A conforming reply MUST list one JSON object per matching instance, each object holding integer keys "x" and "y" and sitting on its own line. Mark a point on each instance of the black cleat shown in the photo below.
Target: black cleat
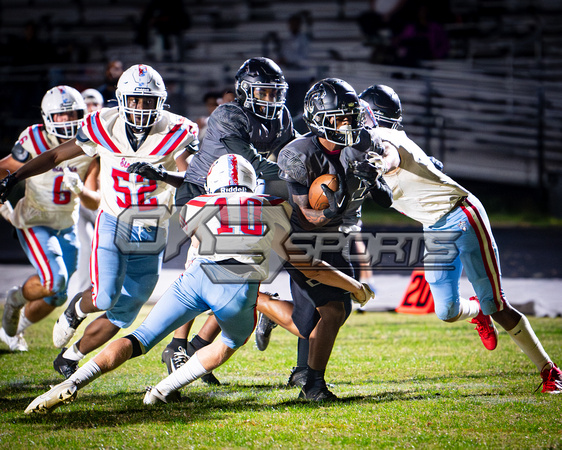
{"x": 263, "y": 331}
{"x": 298, "y": 377}
{"x": 175, "y": 358}
{"x": 66, "y": 367}
{"x": 321, "y": 394}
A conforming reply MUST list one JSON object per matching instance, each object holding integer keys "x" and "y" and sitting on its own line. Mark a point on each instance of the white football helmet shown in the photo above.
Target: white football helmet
{"x": 141, "y": 81}
{"x": 231, "y": 173}
{"x": 93, "y": 99}
{"x": 62, "y": 100}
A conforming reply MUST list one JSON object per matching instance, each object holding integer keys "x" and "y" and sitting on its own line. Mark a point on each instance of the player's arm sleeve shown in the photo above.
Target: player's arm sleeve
{"x": 292, "y": 167}
{"x": 19, "y": 153}
{"x": 381, "y": 193}
{"x": 231, "y": 124}
{"x": 265, "y": 169}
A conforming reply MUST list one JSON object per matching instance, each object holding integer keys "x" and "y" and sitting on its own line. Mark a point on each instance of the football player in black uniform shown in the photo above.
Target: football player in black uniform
{"x": 256, "y": 125}
{"x": 335, "y": 144}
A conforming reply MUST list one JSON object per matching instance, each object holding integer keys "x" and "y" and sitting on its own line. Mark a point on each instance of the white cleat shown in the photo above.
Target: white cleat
{"x": 62, "y": 393}
{"x": 16, "y": 343}
{"x": 67, "y": 323}
{"x": 153, "y": 396}
{"x": 62, "y": 332}
{"x": 11, "y": 315}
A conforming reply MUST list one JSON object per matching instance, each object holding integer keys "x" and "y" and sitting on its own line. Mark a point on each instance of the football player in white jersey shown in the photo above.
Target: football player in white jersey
{"x": 233, "y": 231}
{"x": 45, "y": 217}
{"x": 130, "y": 233}
{"x": 441, "y": 205}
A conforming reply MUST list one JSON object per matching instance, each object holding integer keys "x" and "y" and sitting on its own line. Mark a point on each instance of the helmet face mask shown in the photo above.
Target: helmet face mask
{"x": 261, "y": 88}
{"x": 384, "y": 107}
{"x": 332, "y": 111}
{"x": 231, "y": 173}
{"x": 63, "y": 109}
{"x": 141, "y": 94}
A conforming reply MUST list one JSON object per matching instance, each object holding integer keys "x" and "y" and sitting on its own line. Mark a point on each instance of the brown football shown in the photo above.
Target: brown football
{"x": 316, "y": 197}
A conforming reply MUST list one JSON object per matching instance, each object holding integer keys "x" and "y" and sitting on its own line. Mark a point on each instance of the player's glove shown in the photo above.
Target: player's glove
{"x": 148, "y": 171}
{"x": 6, "y": 185}
{"x": 371, "y": 167}
{"x": 366, "y": 295}
{"x": 338, "y": 200}
{"x": 72, "y": 181}
{"x": 438, "y": 164}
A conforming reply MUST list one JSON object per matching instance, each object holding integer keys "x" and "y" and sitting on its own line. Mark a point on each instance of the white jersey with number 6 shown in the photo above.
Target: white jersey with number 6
{"x": 47, "y": 201}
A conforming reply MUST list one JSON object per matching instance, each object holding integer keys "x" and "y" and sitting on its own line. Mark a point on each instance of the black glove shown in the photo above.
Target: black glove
{"x": 148, "y": 171}
{"x": 338, "y": 200}
{"x": 6, "y": 185}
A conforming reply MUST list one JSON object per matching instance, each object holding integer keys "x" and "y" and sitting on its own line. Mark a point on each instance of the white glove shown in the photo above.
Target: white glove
{"x": 378, "y": 161}
{"x": 72, "y": 181}
{"x": 367, "y": 292}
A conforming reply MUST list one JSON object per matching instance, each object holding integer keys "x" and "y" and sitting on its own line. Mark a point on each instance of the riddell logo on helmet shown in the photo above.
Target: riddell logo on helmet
{"x": 233, "y": 189}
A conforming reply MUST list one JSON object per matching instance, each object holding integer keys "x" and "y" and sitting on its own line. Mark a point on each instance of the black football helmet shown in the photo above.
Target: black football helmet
{"x": 261, "y": 87}
{"x": 384, "y": 106}
{"x": 327, "y": 100}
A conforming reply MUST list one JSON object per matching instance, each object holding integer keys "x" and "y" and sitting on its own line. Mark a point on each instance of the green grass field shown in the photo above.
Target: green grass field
{"x": 403, "y": 382}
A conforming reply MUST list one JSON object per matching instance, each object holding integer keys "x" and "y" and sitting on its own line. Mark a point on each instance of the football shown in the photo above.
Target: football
{"x": 316, "y": 197}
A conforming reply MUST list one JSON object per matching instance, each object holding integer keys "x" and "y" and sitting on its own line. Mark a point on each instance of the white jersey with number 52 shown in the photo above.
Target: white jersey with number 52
{"x": 103, "y": 133}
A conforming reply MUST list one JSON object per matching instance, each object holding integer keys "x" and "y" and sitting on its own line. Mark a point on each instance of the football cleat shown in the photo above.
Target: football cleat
{"x": 175, "y": 358}
{"x": 16, "y": 343}
{"x": 551, "y": 380}
{"x": 321, "y": 394}
{"x": 298, "y": 377}
{"x": 64, "y": 392}
{"x": 12, "y": 309}
{"x": 263, "y": 331}
{"x": 66, "y": 367}
{"x": 486, "y": 329}
{"x": 153, "y": 396}
{"x": 67, "y": 323}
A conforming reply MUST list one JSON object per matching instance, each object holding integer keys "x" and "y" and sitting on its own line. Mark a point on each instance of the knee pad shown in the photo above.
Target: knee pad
{"x": 58, "y": 299}
{"x": 137, "y": 349}
{"x": 447, "y": 311}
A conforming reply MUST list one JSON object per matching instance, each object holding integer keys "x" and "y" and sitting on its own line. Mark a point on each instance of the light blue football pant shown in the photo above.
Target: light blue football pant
{"x": 122, "y": 282}
{"x": 233, "y": 304}
{"x": 54, "y": 254}
{"x": 477, "y": 255}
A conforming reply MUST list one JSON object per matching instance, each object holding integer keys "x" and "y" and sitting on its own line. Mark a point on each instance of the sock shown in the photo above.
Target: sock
{"x": 73, "y": 354}
{"x": 188, "y": 373}
{"x": 526, "y": 339}
{"x": 468, "y": 309}
{"x": 198, "y": 342}
{"x": 302, "y": 353}
{"x": 85, "y": 374}
{"x": 315, "y": 378}
{"x": 24, "y": 322}
{"x": 178, "y": 342}
{"x": 79, "y": 312}
{"x": 18, "y": 297}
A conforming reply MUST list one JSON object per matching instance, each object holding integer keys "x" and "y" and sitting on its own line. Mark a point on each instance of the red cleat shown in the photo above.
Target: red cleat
{"x": 551, "y": 380}
{"x": 486, "y": 329}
